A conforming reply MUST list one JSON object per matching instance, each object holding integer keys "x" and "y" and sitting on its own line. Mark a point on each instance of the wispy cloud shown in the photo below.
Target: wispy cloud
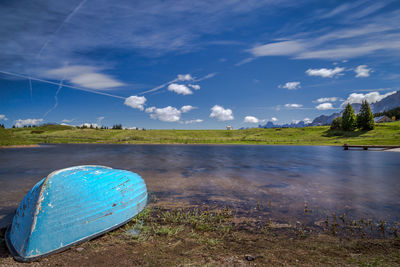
{"x": 3, "y": 117}
{"x": 61, "y": 30}
{"x": 293, "y": 105}
{"x": 12, "y": 74}
{"x": 373, "y": 32}
{"x": 84, "y": 76}
{"x": 193, "y": 121}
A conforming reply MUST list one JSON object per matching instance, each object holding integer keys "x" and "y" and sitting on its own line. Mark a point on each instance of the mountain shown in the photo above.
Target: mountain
{"x": 324, "y": 119}
{"x": 270, "y": 124}
{"x": 390, "y": 102}
{"x": 385, "y": 104}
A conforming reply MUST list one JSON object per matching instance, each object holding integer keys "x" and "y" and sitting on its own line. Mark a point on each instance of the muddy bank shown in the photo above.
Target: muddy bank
{"x": 207, "y": 236}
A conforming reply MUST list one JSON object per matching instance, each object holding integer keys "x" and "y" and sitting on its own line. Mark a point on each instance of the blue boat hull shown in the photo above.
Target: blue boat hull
{"x": 71, "y": 206}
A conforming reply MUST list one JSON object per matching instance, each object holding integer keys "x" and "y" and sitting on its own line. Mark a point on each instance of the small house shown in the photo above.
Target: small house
{"x": 381, "y": 119}
{"x": 229, "y": 127}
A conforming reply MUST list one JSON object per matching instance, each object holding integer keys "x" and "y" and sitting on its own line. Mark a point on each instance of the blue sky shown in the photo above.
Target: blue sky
{"x": 193, "y": 64}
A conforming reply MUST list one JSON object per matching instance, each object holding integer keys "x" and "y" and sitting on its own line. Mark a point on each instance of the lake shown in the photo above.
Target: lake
{"x": 289, "y": 183}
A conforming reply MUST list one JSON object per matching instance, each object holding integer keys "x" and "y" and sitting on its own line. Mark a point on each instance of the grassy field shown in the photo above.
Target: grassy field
{"x": 383, "y": 134}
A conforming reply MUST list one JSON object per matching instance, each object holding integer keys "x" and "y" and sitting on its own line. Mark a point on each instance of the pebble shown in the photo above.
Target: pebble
{"x": 249, "y": 257}
{"x": 79, "y": 249}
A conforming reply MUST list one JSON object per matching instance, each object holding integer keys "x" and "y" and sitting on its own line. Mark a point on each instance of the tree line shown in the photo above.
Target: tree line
{"x": 349, "y": 121}
{"x": 390, "y": 113}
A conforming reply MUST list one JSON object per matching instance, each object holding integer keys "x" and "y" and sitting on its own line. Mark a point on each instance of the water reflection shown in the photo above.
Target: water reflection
{"x": 276, "y": 179}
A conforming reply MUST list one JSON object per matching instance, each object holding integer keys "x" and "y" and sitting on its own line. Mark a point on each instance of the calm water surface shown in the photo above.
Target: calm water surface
{"x": 277, "y": 179}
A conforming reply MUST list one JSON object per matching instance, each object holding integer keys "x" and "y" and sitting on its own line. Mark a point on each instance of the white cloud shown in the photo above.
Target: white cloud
{"x": 94, "y": 125}
{"x": 99, "y": 119}
{"x": 95, "y": 81}
{"x": 184, "y": 77}
{"x": 362, "y": 71}
{"x": 293, "y": 105}
{"x": 221, "y": 114}
{"x": 327, "y": 99}
{"x": 20, "y": 123}
{"x": 291, "y": 85}
{"x": 67, "y": 120}
{"x": 150, "y": 109}
{"x": 370, "y": 97}
{"x": 187, "y": 108}
{"x": 324, "y": 106}
{"x": 167, "y": 114}
{"x": 307, "y": 120}
{"x": 193, "y": 121}
{"x": 274, "y": 119}
{"x": 251, "y": 119}
{"x": 135, "y": 101}
{"x": 195, "y": 86}
{"x": 84, "y": 76}
{"x": 3, "y": 117}
{"x": 325, "y": 73}
{"x": 179, "y": 89}
{"x": 278, "y": 49}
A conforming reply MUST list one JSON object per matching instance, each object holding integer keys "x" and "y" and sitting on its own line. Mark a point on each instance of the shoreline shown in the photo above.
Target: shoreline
{"x": 187, "y": 144}
{"x": 217, "y": 236}
{"x": 20, "y": 146}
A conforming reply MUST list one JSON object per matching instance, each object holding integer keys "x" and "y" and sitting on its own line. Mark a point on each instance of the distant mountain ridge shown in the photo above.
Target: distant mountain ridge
{"x": 385, "y": 104}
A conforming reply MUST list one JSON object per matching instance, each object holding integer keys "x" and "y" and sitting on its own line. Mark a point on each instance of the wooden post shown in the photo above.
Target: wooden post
{"x": 346, "y": 147}
{"x": 365, "y": 148}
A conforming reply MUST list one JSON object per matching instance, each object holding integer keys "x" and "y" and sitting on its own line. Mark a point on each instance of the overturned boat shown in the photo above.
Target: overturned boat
{"x": 71, "y": 206}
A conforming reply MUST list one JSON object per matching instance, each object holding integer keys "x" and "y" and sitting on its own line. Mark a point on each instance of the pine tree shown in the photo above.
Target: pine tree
{"x": 365, "y": 119}
{"x": 349, "y": 122}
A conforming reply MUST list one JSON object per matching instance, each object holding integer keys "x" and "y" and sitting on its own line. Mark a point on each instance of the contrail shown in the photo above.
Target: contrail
{"x": 61, "y": 25}
{"x": 208, "y": 76}
{"x": 158, "y": 87}
{"x": 68, "y": 86}
{"x": 55, "y": 98}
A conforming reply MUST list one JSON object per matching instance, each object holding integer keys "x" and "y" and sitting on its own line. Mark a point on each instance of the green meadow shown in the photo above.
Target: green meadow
{"x": 383, "y": 134}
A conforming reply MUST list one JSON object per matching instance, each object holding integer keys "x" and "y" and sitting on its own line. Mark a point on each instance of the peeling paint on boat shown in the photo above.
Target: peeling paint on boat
{"x": 72, "y": 205}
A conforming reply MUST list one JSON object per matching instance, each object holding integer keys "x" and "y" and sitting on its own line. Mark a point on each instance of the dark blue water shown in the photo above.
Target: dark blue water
{"x": 279, "y": 179}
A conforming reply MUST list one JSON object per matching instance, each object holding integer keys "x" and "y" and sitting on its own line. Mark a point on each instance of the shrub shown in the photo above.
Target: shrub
{"x": 336, "y": 123}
